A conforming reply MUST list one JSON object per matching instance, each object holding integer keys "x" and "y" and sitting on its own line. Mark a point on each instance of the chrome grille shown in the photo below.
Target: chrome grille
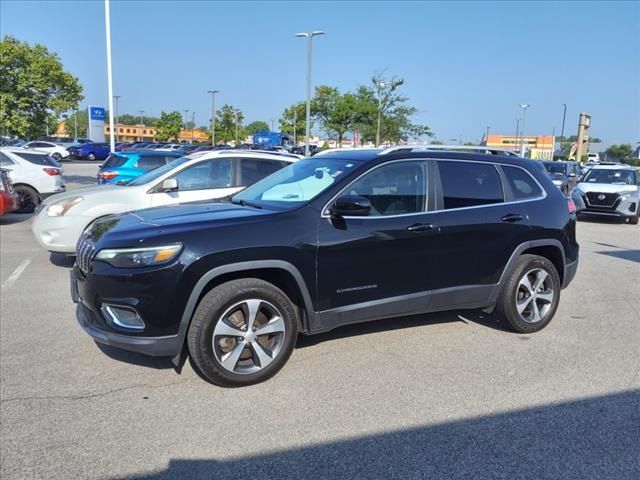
{"x": 85, "y": 251}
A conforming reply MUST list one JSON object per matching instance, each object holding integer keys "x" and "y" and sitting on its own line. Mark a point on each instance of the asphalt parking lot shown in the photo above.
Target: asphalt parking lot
{"x": 450, "y": 395}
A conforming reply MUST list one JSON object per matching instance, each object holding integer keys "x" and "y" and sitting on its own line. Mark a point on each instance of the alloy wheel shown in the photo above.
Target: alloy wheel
{"x": 248, "y": 336}
{"x": 534, "y": 295}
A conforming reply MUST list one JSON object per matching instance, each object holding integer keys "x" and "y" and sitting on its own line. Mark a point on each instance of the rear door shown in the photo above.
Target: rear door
{"x": 480, "y": 225}
{"x": 208, "y": 179}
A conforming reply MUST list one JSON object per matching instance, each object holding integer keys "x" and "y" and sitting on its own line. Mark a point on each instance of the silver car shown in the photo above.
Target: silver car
{"x": 610, "y": 190}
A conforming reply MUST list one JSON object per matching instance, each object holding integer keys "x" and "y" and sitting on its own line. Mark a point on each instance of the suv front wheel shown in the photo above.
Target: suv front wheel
{"x": 530, "y": 295}
{"x": 243, "y": 332}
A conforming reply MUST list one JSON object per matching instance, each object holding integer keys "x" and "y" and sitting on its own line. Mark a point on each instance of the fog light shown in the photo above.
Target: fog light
{"x": 632, "y": 207}
{"x": 122, "y": 317}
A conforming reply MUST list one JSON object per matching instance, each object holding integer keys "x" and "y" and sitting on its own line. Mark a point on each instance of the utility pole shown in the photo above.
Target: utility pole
{"x": 295, "y": 125}
{"x": 524, "y": 107}
{"x": 237, "y": 111}
{"x": 380, "y": 85}
{"x": 116, "y": 97}
{"x": 186, "y": 112}
{"x": 564, "y": 114}
{"x": 193, "y": 124}
{"x": 309, "y": 36}
{"x": 141, "y": 112}
{"x": 517, "y": 134}
{"x": 213, "y": 116}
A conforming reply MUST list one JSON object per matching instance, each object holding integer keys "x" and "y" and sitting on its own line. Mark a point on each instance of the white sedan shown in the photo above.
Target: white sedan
{"x": 60, "y": 220}
{"x": 58, "y": 152}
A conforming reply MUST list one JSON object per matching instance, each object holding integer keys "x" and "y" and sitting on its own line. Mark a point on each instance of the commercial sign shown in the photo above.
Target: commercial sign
{"x": 96, "y": 123}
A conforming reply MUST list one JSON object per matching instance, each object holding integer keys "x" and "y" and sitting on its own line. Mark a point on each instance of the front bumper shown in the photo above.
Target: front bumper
{"x": 620, "y": 208}
{"x": 169, "y": 346}
{"x": 58, "y": 234}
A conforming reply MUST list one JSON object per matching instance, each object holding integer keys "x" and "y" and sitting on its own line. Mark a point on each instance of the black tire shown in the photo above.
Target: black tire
{"x": 28, "y": 199}
{"x": 56, "y": 156}
{"x": 210, "y": 312}
{"x": 506, "y": 307}
{"x": 91, "y": 156}
{"x": 634, "y": 220}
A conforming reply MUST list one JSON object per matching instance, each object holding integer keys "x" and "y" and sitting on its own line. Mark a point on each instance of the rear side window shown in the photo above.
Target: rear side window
{"x": 4, "y": 160}
{"x": 36, "y": 158}
{"x": 114, "y": 161}
{"x": 252, "y": 170}
{"x": 522, "y": 184}
{"x": 149, "y": 162}
{"x": 469, "y": 184}
{"x": 215, "y": 173}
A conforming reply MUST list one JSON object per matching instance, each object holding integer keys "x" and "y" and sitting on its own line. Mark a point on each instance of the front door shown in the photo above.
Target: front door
{"x": 382, "y": 263}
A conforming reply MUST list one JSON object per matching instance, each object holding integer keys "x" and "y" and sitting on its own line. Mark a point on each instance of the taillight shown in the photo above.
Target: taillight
{"x": 108, "y": 175}
{"x": 571, "y": 206}
{"x": 52, "y": 171}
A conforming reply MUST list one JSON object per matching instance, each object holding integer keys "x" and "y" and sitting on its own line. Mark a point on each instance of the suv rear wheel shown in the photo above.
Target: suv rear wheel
{"x": 530, "y": 294}
{"x": 243, "y": 332}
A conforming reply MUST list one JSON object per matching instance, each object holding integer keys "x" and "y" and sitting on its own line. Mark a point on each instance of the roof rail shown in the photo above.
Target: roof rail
{"x": 470, "y": 148}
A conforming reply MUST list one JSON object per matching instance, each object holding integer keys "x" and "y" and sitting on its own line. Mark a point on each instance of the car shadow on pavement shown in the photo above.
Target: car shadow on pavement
{"x": 593, "y": 438}
{"x": 631, "y": 255}
{"x": 11, "y": 218}
{"x": 133, "y": 358}
{"x": 388, "y": 324}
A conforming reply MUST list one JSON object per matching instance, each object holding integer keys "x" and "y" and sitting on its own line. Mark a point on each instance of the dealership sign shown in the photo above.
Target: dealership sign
{"x": 96, "y": 123}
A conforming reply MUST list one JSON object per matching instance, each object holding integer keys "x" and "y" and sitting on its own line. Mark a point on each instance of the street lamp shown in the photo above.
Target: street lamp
{"x": 141, "y": 112}
{"x": 517, "y": 132}
{"x": 380, "y": 86}
{"x": 524, "y": 107}
{"x": 237, "y": 112}
{"x": 309, "y": 36}
{"x": 186, "y": 112}
{"x": 107, "y": 25}
{"x": 115, "y": 114}
{"x": 193, "y": 124}
{"x": 213, "y": 116}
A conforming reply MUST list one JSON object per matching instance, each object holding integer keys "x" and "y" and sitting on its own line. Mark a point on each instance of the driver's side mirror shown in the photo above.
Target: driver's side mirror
{"x": 350, "y": 206}
{"x": 169, "y": 185}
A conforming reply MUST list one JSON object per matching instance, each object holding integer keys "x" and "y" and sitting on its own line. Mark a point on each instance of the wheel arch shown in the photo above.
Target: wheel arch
{"x": 24, "y": 184}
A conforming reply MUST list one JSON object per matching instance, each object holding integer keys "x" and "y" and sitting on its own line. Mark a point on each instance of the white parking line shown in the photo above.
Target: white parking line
{"x": 16, "y": 274}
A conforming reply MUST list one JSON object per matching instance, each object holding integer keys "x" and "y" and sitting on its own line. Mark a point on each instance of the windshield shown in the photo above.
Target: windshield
{"x": 151, "y": 175}
{"x": 296, "y": 184}
{"x": 556, "y": 168}
{"x": 615, "y": 177}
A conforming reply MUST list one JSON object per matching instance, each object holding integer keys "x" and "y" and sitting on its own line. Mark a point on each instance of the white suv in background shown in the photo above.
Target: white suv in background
{"x": 35, "y": 176}
{"x": 58, "y": 152}
{"x": 61, "y": 219}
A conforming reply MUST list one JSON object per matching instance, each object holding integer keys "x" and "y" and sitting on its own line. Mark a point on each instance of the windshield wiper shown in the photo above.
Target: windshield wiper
{"x": 244, "y": 203}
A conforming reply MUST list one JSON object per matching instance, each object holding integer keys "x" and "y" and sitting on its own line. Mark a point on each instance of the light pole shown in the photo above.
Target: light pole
{"x": 295, "y": 125}
{"x": 141, "y": 112}
{"x": 115, "y": 114}
{"x": 517, "y": 133}
{"x": 75, "y": 124}
{"x": 213, "y": 116}
{"x": 309, "y": 36}
{"x": 186, "y": 112}
{"x": 564, "y": 115}
{"x": 524, "y": 107}
{"x": 237, "y": 111}
{"x": 107, "y": 24}
{"x": 486, "y": 141}
{"x": 193, "y": 124}
{"x": 380, "y": 86}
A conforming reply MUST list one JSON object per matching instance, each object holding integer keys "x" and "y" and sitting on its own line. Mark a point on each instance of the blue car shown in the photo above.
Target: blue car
{"x": 122, "y": 167}
{"x": 90, "y": 151}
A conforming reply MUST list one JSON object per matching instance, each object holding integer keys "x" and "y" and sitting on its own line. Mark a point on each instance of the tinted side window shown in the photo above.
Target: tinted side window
{"x": 394, "y": 189}
{"x": 149, "y": 162}
{"x": 4, "y": 160}
{"x": 469, "y": 184}
{"x": 36, "y": 158}
{"x": 204, "y": 175}
{"x": 524, "y": 187}
{"x": 254, "y": 169}
{"x": 114, "y": 161}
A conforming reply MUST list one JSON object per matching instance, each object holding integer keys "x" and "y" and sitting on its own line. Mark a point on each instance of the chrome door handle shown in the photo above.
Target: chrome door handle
{"x": 420, "y": 227}
{"x": 512, "y": 218}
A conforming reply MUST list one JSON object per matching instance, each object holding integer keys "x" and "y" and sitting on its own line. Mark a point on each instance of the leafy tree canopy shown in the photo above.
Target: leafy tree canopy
{"x": 168, "y": 126}
{"x": 294, "y": 115}
{"x": 255, "y": 127}
{"x": 227, "y": 119}
{"x": 621, "y": 153}
{"x": 34, "y": 88}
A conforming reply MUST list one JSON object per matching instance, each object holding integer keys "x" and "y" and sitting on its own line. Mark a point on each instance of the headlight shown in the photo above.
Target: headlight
{"x": 557, "y": 183}
{"x": 624, "y": 196}
{"x": 139, "y": 257}
{"x": 60, "y": 208}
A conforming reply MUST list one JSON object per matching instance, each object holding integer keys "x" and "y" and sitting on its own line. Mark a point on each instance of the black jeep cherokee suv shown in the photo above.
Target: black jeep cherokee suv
{"x": 340, "y": 238}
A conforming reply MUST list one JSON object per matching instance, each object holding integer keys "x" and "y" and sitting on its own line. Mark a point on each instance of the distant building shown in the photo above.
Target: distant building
{"x": 538, "y": 147}
{"x": 142, "y": 133}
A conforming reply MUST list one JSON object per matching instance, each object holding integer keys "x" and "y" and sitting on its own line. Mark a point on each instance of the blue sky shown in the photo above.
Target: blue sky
{"x": 467, "y": 65}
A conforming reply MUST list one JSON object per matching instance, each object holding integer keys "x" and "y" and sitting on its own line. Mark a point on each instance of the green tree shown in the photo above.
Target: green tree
{"x": 255, "y": 127}
{"x": 81, "y": 118}
{"x": 168, "y": 126}
{"x": 338, "y": 113}
{"x": 621, "y": 153}
{"x": 226, "y": 119}
{"x": 294, "y": 115}
{"x": 128, "y": 119}
{"x": 34, "y": 88}
{"x": 437, "y": 142}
